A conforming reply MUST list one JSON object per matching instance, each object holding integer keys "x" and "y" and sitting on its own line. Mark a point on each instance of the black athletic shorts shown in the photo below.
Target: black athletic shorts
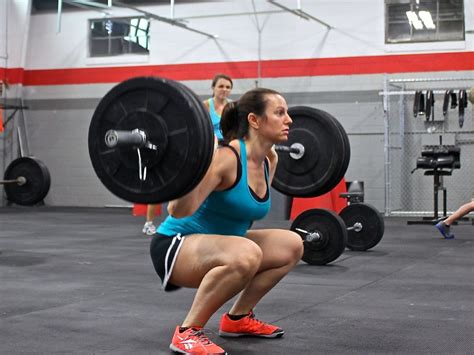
{"x": 164, "y": 251}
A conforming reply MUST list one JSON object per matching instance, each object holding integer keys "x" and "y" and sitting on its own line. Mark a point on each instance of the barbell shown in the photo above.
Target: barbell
{"x": 325, "y": 235}
{"x": 138, "y": 139}
{"x": 151, "y": 140}
{"x": 26, "y": 181}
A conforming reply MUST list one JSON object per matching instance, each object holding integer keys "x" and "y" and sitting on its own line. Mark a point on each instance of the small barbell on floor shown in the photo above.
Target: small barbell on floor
{"x": 27, "y": 181}
{"x": 161, "y": 128}
{"x": 367, "y": 226}
{"x": 325, "y": 234}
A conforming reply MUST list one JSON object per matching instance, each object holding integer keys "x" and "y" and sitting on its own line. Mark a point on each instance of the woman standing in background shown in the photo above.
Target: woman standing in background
{"x": 221, "y": 87}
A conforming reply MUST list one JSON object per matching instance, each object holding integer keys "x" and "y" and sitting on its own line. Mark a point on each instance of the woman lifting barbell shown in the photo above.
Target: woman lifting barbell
{"x": 206, "y": 243}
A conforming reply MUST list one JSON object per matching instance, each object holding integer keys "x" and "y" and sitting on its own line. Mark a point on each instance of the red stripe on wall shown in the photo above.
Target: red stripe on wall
{"x": 371, "y": 65}
{"x": 406, "y": 63}
{"x": 12, "y": 76}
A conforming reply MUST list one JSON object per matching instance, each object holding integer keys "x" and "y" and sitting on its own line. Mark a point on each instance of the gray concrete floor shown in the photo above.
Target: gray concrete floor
{"x": 81, "y": 281}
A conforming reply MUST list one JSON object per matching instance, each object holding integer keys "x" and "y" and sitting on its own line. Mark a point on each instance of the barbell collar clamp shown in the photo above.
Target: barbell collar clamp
{"x": 296, "y": 150}
{"x": 136, "y": 138}
{"x": 310, "y": 236}
{"x": 357, "y": 227}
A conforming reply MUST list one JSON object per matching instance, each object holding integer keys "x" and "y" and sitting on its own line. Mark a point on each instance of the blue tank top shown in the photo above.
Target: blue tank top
{"x": 215, "y": 119}
{"x": 228, "y": 212}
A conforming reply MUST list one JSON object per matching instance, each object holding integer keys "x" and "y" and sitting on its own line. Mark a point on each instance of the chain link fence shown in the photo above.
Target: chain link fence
{"x": 410, "y": 191}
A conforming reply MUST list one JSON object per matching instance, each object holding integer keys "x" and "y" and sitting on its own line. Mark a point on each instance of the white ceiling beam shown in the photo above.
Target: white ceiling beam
{"x": 294, "y": 12}
{"x": 88, "y": 5}
{"x": 299, "y": 13}
{"x": 172, "y": 22}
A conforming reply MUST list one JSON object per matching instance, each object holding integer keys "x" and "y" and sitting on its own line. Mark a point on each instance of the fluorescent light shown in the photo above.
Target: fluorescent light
{"x": 427, "y": 20}
{"x": 414, "y": 20}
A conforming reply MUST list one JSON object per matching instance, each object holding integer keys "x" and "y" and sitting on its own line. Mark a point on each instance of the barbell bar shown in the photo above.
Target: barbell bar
{"x": 138, "y": 139}
{"x": 20, "y": 180}
{"x": 135, "y": 138}
{"x": 169, "y": 119}
{"x": 310, "y": 236}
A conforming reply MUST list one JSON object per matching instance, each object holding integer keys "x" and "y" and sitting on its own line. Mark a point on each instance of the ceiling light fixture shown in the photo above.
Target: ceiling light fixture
{"x": 414, "y": 20}
{"x": 427, "y": 20}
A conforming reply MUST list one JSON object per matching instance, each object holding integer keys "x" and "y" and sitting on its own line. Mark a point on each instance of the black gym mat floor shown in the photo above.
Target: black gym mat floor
{"x": 80, "y": 280}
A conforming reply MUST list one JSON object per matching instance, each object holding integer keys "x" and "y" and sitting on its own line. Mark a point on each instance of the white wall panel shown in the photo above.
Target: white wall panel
{"x": 358, "y": 30}
{"x": 59, "y": 115}
{"x": 18, "y": 25}
{"x": 3, "y": 32}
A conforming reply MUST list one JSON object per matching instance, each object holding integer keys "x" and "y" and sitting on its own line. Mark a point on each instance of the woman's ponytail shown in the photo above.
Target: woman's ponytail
{"x": 230, "y": 121}
{"x": 234, "y": 119}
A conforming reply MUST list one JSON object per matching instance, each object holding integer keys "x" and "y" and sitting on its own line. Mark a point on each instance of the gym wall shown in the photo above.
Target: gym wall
{"x": 340, "y": 70}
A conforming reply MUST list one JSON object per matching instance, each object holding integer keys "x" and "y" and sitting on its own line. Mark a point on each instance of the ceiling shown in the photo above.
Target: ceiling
{"x": 52, "y": 5}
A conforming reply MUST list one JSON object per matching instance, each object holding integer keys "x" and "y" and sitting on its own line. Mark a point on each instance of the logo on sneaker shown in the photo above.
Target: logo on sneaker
{"x": 194, "y": 341}
{"x": 188, "y": 344}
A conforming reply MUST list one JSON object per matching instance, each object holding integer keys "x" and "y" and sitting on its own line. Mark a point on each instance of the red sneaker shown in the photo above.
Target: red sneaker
{"x": 248, "y": 326}
{"x": 193, "y": 341}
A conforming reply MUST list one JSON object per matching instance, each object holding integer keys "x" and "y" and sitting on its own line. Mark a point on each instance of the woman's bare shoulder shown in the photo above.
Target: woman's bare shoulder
{"x": 227, "y": 152}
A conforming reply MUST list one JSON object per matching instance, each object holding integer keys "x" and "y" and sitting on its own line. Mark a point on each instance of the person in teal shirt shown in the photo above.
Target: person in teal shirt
{"x": 206, "y": 241}
{"x": 221, "y": 87}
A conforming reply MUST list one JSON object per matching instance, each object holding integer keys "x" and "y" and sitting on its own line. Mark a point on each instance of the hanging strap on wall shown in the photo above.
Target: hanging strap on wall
{"x": 416, "y": 103}
{"x": 462, "y": 106}
{"x": 430, "y": 105}
{"x": 421, "y": 105}
{"x": 446, "y": 102}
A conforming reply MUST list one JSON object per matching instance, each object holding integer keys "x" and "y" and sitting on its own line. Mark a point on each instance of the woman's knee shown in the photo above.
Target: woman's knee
{"x": 295, "y": 246}
{"x": 247, "y": 260}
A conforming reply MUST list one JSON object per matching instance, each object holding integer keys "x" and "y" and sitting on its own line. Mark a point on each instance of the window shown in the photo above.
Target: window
{"x": 424, "y": 21}
{"x": 117, "y": 36}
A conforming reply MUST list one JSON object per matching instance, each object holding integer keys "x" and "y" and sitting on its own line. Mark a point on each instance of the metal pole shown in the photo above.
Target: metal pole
{"x": 386, "y": 115}
{"x": 4, "y": 155}
{"x": 418, "y": 80}
{"x": 259, "y": 48}
{"x": 58, "y": 18}
{"x": 172, "y": 9}
{"x": 401, "y": 115}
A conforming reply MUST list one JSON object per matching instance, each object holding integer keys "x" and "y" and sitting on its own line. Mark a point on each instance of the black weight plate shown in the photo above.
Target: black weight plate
{"x": 332, "y": 232}
{"x": 208, "y": 145}
{"x": 372, "y": 223}
{"x": 38, "y": 181}
{"x": 171, "y": 120}
{"x": 344, "y": 160}
{"x": 324, "y": 148}
{"x": 346, "y": 156}
{"x": 208, "y": 130}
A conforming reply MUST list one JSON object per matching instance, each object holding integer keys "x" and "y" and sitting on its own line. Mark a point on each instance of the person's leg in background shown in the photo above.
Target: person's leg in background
{"x": 149, "y": 228}
{"x": 444, "y": 226}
